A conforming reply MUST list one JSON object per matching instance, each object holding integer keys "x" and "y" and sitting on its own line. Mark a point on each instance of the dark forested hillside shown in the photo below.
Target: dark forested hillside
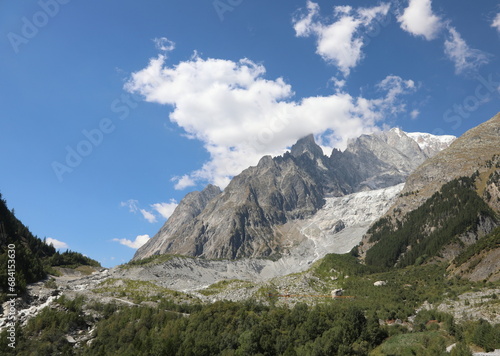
{"x": 454, "y": 210}
{"x": 29, "y": 250}
{"x": 33, "y": 257}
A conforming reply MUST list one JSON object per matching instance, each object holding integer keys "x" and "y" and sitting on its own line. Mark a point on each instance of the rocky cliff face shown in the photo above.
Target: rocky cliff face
{"x": 186, "y": 212}
{"x": 246, "y": 219}
{"x": 384, "y": 159}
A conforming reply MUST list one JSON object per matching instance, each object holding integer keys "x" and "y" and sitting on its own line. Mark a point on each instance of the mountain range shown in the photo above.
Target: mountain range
{"x": 257, "y": 213}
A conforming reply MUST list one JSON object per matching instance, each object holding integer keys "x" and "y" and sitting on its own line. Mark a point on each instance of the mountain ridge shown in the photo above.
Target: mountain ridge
{"x": 244, "y": 219}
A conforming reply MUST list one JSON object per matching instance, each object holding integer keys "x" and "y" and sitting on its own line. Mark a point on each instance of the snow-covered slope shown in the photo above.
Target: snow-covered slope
{"x": 341, "y": 223}
{"x": 431, "y": 144}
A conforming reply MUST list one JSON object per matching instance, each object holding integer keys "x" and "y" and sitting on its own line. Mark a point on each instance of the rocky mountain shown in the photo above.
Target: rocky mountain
{"x": 247, "y": 218}
{"x": 383, "y": 159}
{"x": 449, "y": 204}
{"x": 186, "y": 212}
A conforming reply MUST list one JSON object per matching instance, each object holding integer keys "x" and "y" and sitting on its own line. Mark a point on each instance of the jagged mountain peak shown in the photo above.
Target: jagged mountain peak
{"x": 378, "y": 160}
{"x": 265, "y": 161}
{"x": 307, "y": 145}
{"x": 211, "y": 190}
{"x": 407, "y": 143}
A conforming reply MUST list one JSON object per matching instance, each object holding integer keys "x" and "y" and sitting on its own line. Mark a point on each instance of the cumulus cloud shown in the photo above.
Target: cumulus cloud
{"x": 137, "y": 243}
{"x": 341, "y": 41}
{"x": 165, "y": 209}
{"x": 183, "y": 182}
{"x": 56, "y": 243}
{"x": 240, "y": 116}
{"x": 419, "y": 20}
{"x": 465, "y": 59}
{"x": 496, "y": 22}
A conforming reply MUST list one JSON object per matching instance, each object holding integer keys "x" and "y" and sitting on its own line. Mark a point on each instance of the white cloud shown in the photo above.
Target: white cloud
{"x": 183, "y": 182}
{"x": 164, "y": 44}
{"x": 165, "y": 209}
{"x": 56, "y": 243}
{"x": 466, "y": 59}
{"x": 414, "y": 114}
{"x": 340, "y": 42}
{"x": 240, "y": 116}
{"x": 306, "y": 25}
{"x": 138, "y": 242}
{"x": 131, "y": 204}
{"x": 149, "y": 216}
{"x": 419, "y": 20}
{"x": 496, "y": 22}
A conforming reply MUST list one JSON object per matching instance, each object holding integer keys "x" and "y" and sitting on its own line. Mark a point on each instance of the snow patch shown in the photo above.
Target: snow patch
{"x": 435, "y": 142}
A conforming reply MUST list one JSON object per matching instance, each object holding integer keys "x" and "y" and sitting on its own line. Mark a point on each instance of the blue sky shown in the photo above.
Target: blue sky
{"x": 111, "y": 111}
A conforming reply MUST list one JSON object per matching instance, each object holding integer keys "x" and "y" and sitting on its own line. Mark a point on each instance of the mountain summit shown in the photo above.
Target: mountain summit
{"x": 246, "y": 219}
{"x": 382, "y": 159}
{"x": 308, "y": 146}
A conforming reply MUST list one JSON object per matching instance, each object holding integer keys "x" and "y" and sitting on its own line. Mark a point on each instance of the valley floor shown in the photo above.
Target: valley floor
{"x": 410, "y": 304}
